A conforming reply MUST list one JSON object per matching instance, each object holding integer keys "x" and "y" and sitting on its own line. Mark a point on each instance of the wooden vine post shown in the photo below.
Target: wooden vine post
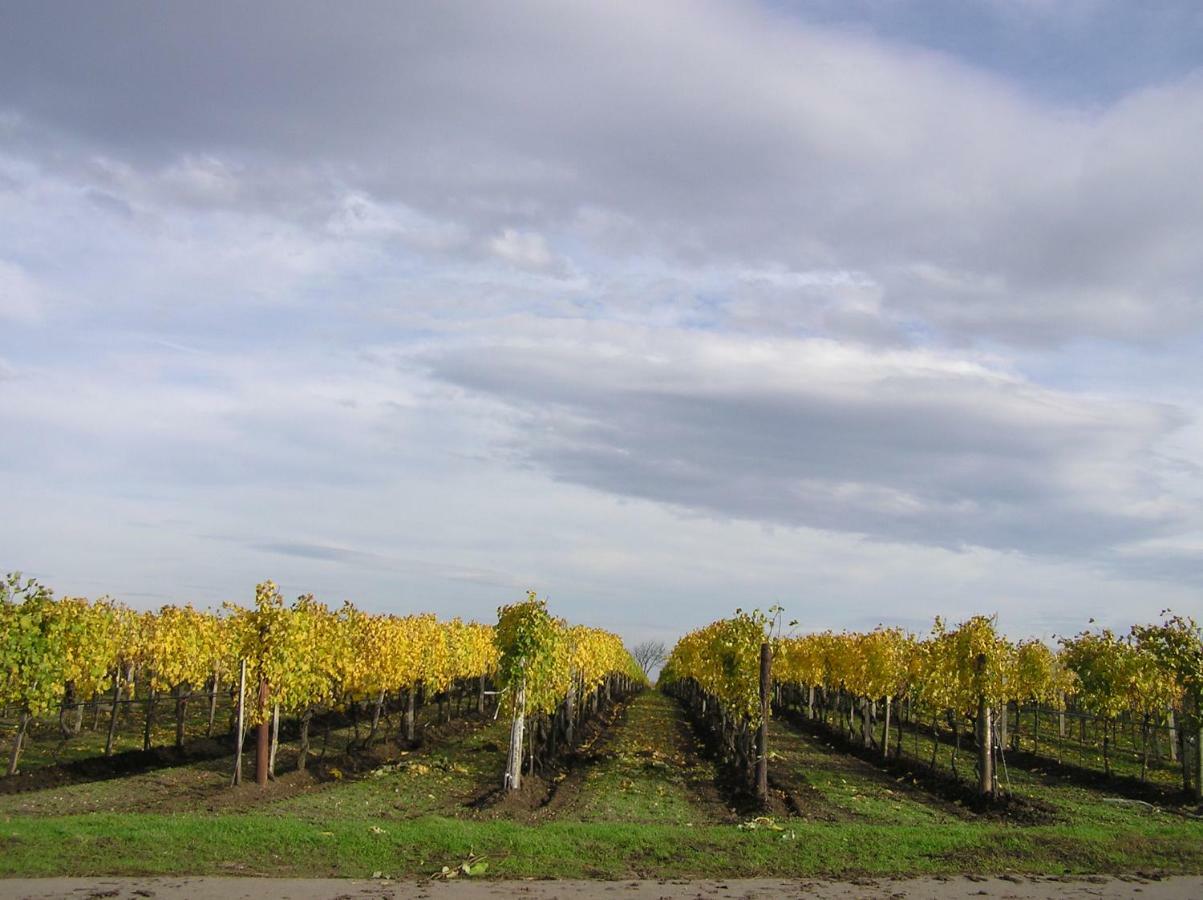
{"x": 182, "y": 693}
{"x": 263, "y": 737}
{"x": 149, "y": 724}
{"x": 985, "y": 750}
{"x": 513, "y": 765}
{"x": 215, "y": 684}
{"x": 409, "y": 712}
{"x": 762, "y": 748}
{"x": 108, "y": 740}
{"x": 570, "y": 712}
{"x": 1197, "y": 785}
{"x": 271, "y": 762}
{"x": 18, "y": 738}
{"x": 241, "y": 723}
{"x": 885, "y": 732}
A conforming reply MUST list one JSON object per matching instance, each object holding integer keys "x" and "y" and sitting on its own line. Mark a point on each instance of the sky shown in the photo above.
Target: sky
{"x": 874, "y": 310}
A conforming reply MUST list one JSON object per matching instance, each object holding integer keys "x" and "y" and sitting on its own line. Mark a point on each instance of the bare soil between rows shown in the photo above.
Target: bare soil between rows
{"x": 544, "y": 793}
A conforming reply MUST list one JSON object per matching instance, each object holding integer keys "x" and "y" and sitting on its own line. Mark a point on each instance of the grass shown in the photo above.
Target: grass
{"x": 1076, "y": 762}
{"x": 650, "y": 770}
{"x": 358, "y": 846}
{"x": 839, "y": 787}
{"x": 1082, "y": 744}
{"x": 641, "y": 801}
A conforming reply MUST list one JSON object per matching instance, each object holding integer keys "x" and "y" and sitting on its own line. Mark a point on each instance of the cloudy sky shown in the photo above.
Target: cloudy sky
{"x": 873, "y": 309}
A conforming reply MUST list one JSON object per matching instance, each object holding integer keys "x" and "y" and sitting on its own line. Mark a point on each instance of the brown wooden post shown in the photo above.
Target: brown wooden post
{"x": 1184, "y": 757}
{"x": 762, "y": 749}
{"x": 1197, "y": 787}
{"x": 409, "y": 712}
{"x": 570, "y": 712}
{"x": 885, "y": 731}
{"x": 108, "y": 740}
{"x": 263, "y": 737}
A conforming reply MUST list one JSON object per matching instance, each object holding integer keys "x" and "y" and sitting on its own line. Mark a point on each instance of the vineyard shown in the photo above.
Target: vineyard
{"x": 1137, "y": 696}
{"x": 412, "y": 745}
{"x": 60, "y": 657}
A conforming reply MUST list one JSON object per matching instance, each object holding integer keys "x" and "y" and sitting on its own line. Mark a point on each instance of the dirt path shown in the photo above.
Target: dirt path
{"x": 647, "y": 768}
{"x": 1177, "y": 888}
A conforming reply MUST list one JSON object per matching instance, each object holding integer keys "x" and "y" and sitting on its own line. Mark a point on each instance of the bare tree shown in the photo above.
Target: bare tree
{"x": 649, "y": 654}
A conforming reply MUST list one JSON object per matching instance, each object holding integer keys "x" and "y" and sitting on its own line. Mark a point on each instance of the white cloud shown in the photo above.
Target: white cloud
{"x": 546, "y": 296}
{"x": 524, "y": 249}
{"x": 21, "y": 298}
{"x": 620, "y": 128}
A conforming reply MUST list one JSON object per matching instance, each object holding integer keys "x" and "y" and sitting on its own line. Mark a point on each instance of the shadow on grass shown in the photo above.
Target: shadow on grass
{"x": 119, "y": 765}
{"x": 944, "y": 785}
{"x": 558, "y": 779}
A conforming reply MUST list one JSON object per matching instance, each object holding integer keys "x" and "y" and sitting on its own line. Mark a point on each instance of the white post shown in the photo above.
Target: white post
{"x": 271, "y": 763}
{"x": 241, "y": 723}
{"x": 513, "y": 767}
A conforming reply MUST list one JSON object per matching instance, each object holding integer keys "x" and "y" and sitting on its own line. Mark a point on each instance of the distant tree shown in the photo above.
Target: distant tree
{"x": 650, "y": 654}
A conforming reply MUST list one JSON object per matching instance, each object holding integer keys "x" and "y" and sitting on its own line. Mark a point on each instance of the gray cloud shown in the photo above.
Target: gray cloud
{"x": 321, "y": 552}
{"x": 980, "y": 211}
{"x": 426, "y": 305}
{"x": 378, "y": 561}
{"x": 907, "y": 446}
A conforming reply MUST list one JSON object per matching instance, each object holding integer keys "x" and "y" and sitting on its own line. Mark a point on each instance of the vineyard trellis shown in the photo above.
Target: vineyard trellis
{"x": 554, "y": 676}
{"x": 718, "y": 673}
{"x": 963, "y": 686}
{"x": 291, "y": 660}
{"x": 1130, "y": 704}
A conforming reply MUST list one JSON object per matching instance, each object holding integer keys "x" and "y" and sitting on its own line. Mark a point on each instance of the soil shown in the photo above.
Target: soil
{"x": 544, "y": 793}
